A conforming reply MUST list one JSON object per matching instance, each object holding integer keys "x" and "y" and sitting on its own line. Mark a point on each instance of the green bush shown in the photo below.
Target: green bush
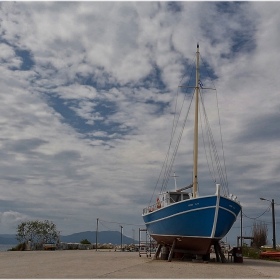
{"x": 85, "y": 241}
{"x": 19, "y": 247}
{"x": 251, "y": 252}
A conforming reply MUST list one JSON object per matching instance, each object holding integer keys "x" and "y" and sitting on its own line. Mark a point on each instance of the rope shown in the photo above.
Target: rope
{"x": 166, "y": 179}
{"x": 212, "y": 172}
{"x": 214, "y": 156}
{"x": 174, "y": 127}
{"x": 168, "y": 169}
{"x": 214, "y": 149}
{"x": 226, "y": 180}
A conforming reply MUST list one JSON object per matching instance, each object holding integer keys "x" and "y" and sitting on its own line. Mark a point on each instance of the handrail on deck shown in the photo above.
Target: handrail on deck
{"x": 155, "y": 207}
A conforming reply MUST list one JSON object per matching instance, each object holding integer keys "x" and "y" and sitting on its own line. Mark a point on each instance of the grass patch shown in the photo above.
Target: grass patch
{"x": 251, "y": 252}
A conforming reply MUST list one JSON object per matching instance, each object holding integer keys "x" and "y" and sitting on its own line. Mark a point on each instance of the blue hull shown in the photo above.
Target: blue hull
{"x": 196, "y": 223}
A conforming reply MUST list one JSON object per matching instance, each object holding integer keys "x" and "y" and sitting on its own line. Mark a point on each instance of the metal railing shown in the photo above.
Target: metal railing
{"x": 156, "y": 206}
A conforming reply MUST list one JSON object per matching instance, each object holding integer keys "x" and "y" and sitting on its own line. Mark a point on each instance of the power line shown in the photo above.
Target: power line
{"x": 268, "y": 208}
{"x": 106, "y": 226}
{"x": 242, "y": 227}
{"x": 121, "y": 223}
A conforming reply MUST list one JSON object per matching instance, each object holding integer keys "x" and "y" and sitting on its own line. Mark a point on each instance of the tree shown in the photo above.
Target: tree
{"x": 37, "y": 232}
{"x": 85, "y": 241}
{"x": 259, "y": 234}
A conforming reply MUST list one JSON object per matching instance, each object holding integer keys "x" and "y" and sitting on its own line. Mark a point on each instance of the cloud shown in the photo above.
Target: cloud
{"x": 75, "y": 91}
{"x": 8, "y": 57}
{"x": 262, "y": 129}
{"x": 25, "y": 145}
{"x": 10, "y": 219}
{"x": 88, "y": 94}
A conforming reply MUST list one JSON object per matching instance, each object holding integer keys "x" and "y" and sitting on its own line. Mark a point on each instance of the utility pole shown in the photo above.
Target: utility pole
{"x": 96, "y": 240}
{"x": 121, "y": 236}
{"x": 273, "y": 221}
{"x": 273, "y": 224}
{"x": 133, "y": 232}
{"x": 241, "y": 241}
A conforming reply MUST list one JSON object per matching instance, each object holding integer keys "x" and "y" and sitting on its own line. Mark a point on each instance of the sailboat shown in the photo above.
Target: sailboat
{"x": 185, "y": 220}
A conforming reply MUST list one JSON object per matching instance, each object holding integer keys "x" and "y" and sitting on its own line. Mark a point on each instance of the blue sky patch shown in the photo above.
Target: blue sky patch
{"x": 27, "y": 59}
{"x": 70, "y": 117}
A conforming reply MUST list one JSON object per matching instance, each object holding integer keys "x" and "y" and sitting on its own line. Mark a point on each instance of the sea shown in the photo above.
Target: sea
{"x": 6, "y": 247}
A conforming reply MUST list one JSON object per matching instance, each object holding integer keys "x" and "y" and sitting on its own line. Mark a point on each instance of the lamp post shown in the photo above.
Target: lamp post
{"x": 273, "y": 221}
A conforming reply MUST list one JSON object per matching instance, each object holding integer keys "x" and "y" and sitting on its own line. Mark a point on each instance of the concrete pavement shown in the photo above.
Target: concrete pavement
{"x": 128, "y": 265}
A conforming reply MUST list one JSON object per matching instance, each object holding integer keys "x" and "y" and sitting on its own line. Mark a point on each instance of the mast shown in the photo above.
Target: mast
{"x": 195, "y": 145}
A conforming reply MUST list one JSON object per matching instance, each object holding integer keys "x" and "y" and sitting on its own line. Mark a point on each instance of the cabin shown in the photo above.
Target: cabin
{"x": 167, "y": 198}
{"x": 172, "y": 197}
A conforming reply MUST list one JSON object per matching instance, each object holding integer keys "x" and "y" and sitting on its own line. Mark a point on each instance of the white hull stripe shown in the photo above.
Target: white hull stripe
{"x": 184, "y": 212}
{"x": 197, "y": 209}
{"x": 216, "y": 216}
{"x": 183, "y": 236}
{"x": 228, "y": 211}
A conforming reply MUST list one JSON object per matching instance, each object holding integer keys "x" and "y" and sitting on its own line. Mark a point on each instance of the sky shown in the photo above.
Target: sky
{"x": 87, "y": 100}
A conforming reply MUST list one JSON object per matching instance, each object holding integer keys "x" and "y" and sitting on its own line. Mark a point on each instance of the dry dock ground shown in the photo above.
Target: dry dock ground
{"x": 92, "y": 264}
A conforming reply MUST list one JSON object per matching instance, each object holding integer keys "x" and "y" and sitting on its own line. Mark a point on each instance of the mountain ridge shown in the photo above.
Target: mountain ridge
{"x": 113, "y": 237}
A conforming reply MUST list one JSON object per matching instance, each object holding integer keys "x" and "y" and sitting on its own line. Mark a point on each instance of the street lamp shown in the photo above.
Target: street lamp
{"x": 273, "y": 221}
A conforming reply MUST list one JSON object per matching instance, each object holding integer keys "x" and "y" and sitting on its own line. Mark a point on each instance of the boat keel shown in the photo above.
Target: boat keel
{"x": 190, "y": 245}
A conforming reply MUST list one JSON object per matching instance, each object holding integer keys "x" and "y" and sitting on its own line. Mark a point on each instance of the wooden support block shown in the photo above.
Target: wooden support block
{"x": 223, "y": 258}
{"x": 216, "y": 252}
{"x": 219, "y": 254}
{"x": 157, "y": 251}
{"x": 172, "y": 250}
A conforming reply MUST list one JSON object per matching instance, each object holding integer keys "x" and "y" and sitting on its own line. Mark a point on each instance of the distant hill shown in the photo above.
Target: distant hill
{"x": 113, "y": 237}
{"x": 8, "y": 239}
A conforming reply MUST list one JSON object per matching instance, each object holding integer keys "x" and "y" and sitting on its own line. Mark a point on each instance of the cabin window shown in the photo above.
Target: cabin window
{"x": 175, "y": 197}
{"x": 185, "y": 196}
